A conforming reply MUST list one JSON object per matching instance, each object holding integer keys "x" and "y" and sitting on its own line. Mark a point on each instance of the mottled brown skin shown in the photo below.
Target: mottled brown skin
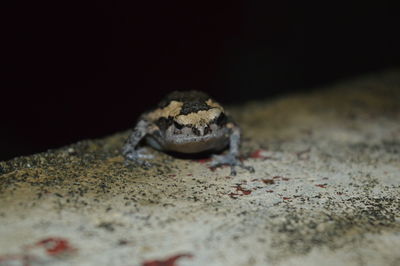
{"x": 187, "y": 122}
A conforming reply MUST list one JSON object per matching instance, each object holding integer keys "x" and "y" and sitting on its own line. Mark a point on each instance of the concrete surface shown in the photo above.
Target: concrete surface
{"x": 325, "y": 192}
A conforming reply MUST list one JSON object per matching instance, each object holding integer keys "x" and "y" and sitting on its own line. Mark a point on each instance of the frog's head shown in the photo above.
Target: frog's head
{"x": 190, "y": 118}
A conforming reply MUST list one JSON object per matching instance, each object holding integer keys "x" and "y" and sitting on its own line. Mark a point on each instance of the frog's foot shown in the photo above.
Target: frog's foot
{"x": 231, "y": 160}
{"x": 139, "y": 156}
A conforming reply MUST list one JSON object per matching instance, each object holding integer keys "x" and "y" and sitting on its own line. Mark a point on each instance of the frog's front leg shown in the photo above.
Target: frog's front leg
{"x": 232, "y": 157}
{"x": 131, "y": 151}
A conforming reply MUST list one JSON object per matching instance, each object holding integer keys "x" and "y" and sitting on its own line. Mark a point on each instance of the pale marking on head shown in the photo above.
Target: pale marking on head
{"x": 172, "y": 109}
{"x": 213, "y": 104}
{"x": 199, "y": 118}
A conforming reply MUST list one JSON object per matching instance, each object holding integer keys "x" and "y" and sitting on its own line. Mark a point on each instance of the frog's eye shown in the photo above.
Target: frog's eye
{"x": 177, "y": 125}
{"x": 163, "y": 123}
{"x": 221, "y": 120}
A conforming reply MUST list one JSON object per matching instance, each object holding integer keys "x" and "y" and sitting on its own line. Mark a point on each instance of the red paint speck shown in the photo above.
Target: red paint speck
{"x": 268, "y": 181}
{"x": 258, "y": 155}
{"x": 270, "y": 191}
{"x": 206, "y": 160}
{"x": 321, "y": 185}
{"x": 239, "y": 192}
{"x": 55, "y": 246}
{"x": 286, "y": 198}
{"x": 168, "y": 262}
{"x": 244, "y": 191}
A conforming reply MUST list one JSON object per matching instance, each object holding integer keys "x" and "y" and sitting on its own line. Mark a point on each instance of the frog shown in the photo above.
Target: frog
{"x": 187, "y": 122}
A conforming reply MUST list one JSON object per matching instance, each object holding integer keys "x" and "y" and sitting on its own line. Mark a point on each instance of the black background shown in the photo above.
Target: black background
{"x": 76, "y": 70}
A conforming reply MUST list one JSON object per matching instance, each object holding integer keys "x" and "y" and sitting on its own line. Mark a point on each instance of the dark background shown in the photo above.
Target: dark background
{"x": 76, "y": 70}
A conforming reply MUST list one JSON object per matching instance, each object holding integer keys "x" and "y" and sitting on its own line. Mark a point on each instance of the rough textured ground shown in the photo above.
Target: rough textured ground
{"x": 325, "y": 192}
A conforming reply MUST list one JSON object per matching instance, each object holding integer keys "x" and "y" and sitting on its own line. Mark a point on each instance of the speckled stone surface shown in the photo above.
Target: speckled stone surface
{"x": 326, "y": 191}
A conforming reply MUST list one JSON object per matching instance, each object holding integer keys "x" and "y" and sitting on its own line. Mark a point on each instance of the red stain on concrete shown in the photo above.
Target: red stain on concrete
{"x": 321, "y": 185}
{"x": 286, "y": 198}
{"x": 240, "y": 191}
{"x": 268, "y": 181}
{"x": 206, "y": 160}
{"x": 258, "y": 154}
{"x": 167, "y": 262}
{"x": 55, "y": 246}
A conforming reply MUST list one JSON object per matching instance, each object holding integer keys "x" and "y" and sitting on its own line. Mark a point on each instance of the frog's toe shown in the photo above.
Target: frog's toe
{"x": 143, "y": 153}
{"x": 138, "y": 162}
{"x": 231, "y": 160}
{"x": 138, "y": 159}
{"x": 248, "y": 168}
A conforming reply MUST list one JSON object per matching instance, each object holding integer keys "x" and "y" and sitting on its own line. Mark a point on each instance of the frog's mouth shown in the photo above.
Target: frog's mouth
{"x": 186, "y": 142}
{"x": 196, "y": 144}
